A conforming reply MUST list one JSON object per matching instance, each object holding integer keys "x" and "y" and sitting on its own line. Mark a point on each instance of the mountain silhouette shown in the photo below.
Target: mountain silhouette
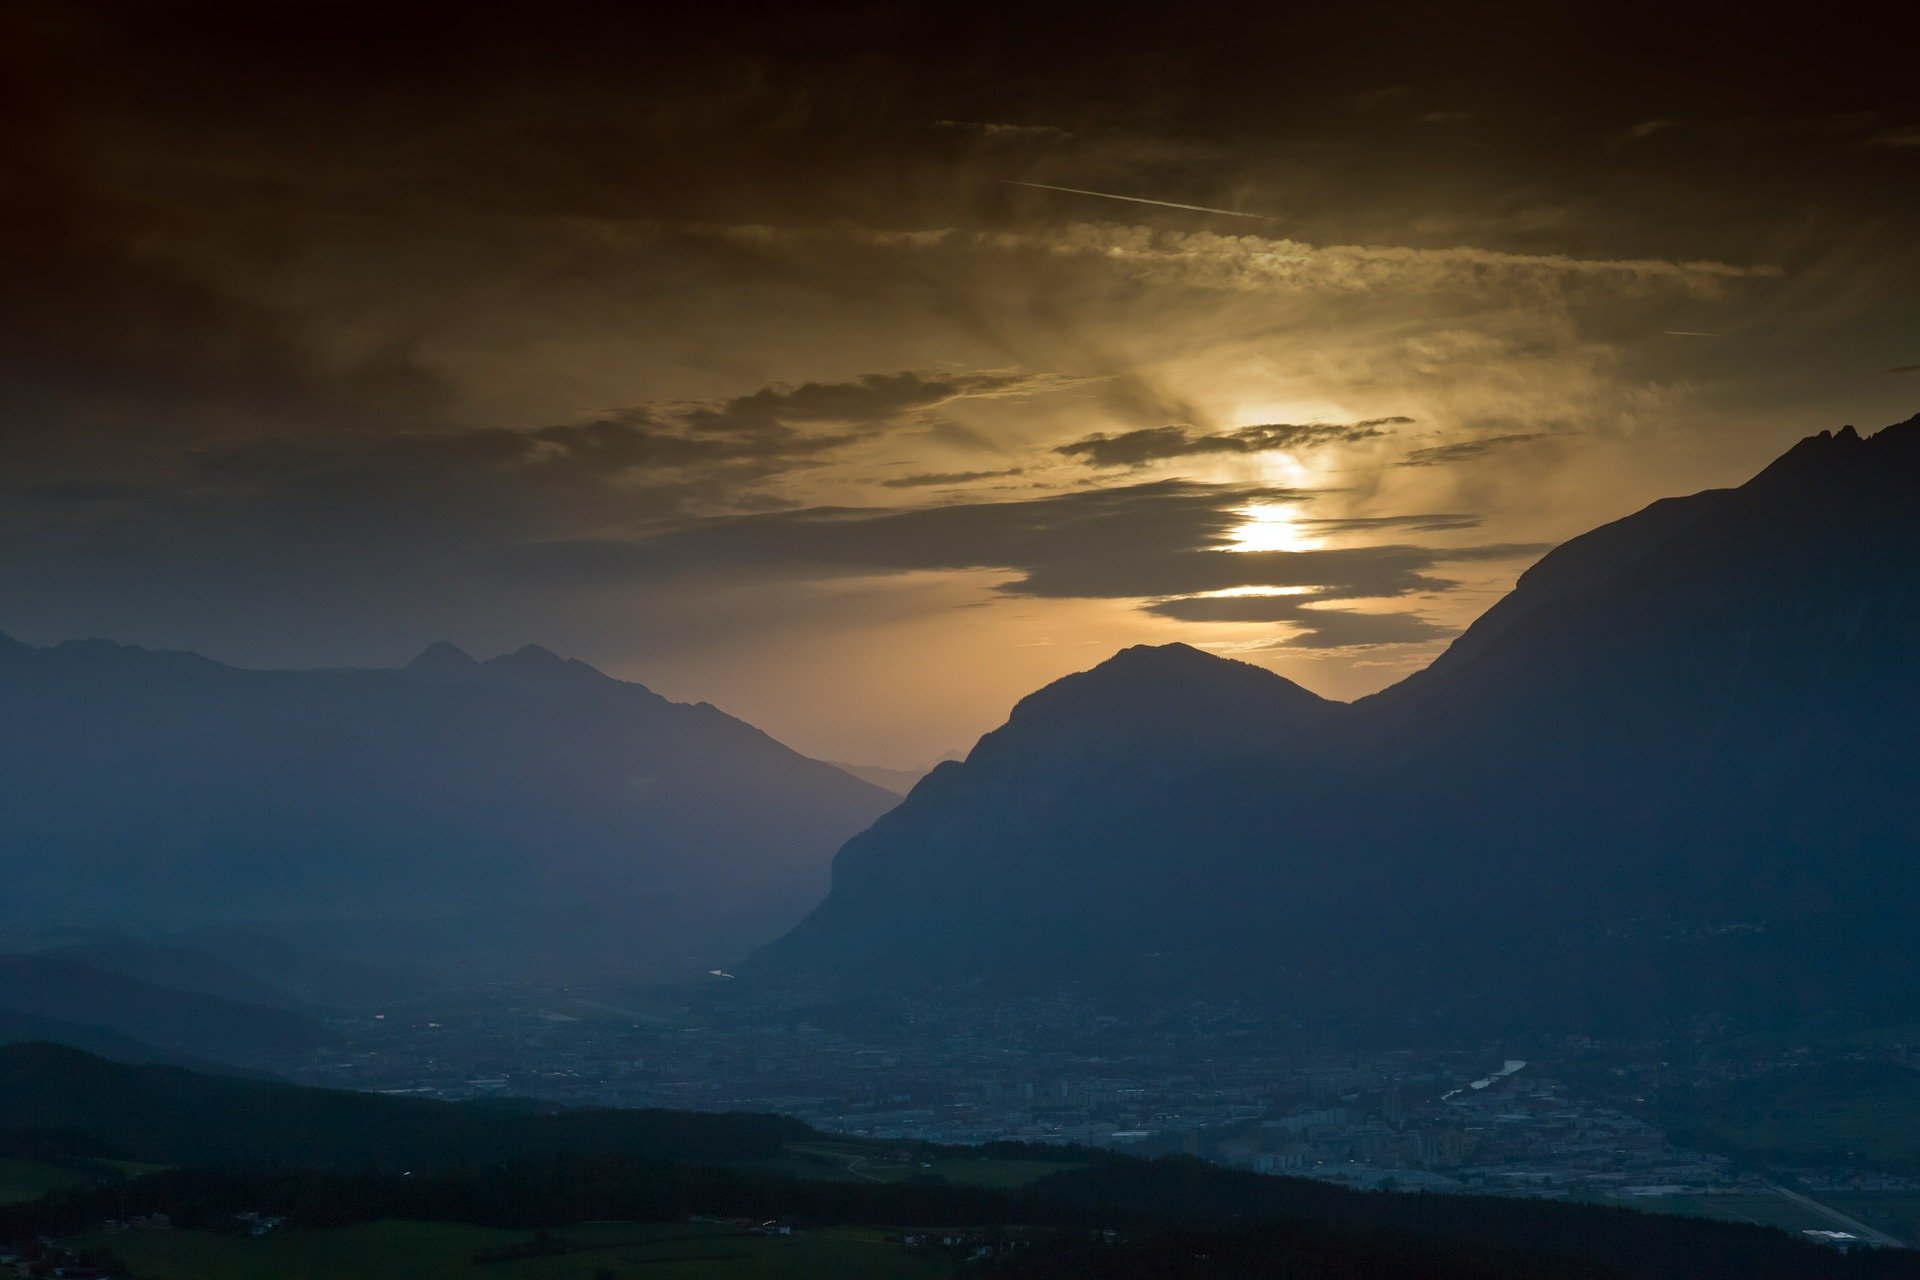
{"x": 991, "y": 857}
{"x": 495, "y": 816}
{"x": 39, "y": 991}
{"x": 1673, "y": 772}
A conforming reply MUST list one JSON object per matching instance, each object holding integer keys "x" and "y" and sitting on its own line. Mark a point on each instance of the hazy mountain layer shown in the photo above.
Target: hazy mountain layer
{"x": 87, "y": 1003}
{"x": 505, "y": 813}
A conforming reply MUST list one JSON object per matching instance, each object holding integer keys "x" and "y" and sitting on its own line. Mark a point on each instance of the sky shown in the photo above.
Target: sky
{"x": 861, "y": 368}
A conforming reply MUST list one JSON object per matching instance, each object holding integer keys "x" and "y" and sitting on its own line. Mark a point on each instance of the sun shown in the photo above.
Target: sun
{"x": 1270, "y": 526}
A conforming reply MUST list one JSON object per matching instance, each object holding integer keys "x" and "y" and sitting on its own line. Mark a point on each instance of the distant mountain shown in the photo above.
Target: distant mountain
{"x": 236, "y": 962}
{"x": 302, "y": 976}
{"x": 514, "y": 813}
{"x": 120, "y": 1015}
{"x": 1674, "y": 772}
{"x": 898, "y": 781}
{"x": 174, "y": 967}
{"x": 22, "y": 1028}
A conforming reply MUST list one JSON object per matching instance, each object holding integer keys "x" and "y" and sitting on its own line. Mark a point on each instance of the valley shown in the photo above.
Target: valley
{"x": 1624, "y": 1122}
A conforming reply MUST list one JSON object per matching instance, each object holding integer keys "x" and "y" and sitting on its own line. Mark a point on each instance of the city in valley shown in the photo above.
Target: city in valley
{"x": 1576, "y": 1118}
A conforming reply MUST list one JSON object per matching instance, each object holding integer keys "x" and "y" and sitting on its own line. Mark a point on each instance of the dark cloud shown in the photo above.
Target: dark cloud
{"x": 248, "y": 519}
{"x": 1156, "y": 444}
{"x": 523, "y": 466}
{"x": 959, "y": 436}
{"x": 1430, "y": 523}
{"x": 744, "y": 438}
{"x": 1316, "y": 627}
{"x": 1345, "y": 629}
{"x": 105, "y": 341}
{"x": 285, "y": 282}
{"x": 930, "y": 478}
{"x": 994, "y": 134}
{"x": 1135, "y": 542}
{"x": 1904, "y": 138}
{"x": 874, "y": 398}
{"x": 1466, "y": 450}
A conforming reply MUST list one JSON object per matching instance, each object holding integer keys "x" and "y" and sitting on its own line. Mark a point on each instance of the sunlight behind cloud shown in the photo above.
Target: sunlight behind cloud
{"x": 1270, "y": 526}
{"x": 1236, "y": 592}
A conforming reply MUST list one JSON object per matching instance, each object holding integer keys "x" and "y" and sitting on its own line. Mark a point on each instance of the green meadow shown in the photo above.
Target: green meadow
{"x": 31, "y": 1179}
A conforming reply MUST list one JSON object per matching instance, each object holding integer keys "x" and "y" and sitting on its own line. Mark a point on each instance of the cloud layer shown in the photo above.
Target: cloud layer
{"x": 1158, "y": 444}
{"x": 713, "y": 346}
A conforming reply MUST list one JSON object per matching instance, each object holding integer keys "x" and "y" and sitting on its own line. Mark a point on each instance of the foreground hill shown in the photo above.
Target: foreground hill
{"x": 1673, "y": 773}
{"x": 27, "y": 1028}
{"x": 329, "y": 1160}
{"x": 497, "y": 812}
{"x": 165, "y": 1115}
{"x": 57, "y": 998}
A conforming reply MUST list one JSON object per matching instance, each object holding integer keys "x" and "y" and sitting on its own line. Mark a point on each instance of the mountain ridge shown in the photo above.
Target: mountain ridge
{"x": 528, "y": 805}
{"x": 1690, "y": 717}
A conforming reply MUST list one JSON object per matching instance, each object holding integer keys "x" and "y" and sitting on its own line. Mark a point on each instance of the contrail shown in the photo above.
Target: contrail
{"x": 1691, "y": 333}
{"x": 1164, "y": 204}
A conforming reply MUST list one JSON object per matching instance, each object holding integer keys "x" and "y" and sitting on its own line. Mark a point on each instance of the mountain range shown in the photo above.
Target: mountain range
{"x": 1673, "y": 774}
{"x": 523, "y": 815}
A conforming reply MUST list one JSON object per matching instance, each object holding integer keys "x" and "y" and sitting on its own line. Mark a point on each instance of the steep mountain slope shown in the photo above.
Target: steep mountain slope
{"x": 1673, "y": 772}
{"x": 1695, "y": 745}
{"x": 517, "y": 809}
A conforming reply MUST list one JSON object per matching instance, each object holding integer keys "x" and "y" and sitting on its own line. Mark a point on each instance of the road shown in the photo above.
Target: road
{"x": 1871, "y": 1235}
{"x": 853, "y": 1167}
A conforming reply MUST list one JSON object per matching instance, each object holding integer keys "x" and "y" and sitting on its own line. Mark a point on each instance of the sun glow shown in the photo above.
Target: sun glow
{"x": 1231, "y": 592}
{"x": 1270, "y": 526}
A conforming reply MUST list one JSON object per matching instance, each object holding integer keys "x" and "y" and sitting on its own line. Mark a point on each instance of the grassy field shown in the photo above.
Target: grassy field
{"x": 1880, "y": 1127}
{"x": 1840, "y": 1112}
{"x": 1895, "y": 1212}
{"x": 31, "y": 1179}
{"x": 443, "y": 1251}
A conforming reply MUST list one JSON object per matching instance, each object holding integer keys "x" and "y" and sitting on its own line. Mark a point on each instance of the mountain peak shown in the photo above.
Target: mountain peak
{"x": 1174, "y": 677}
{"x": 533, "y": 666}
{"x": 530, "y": 654}
{"x": 1172, "y": 698}
{"x": 443, "y": 659}
{"x": 1891, "y": 454}
{"x": 1162, "y": 655}
{"x": 1173, "y": 660}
